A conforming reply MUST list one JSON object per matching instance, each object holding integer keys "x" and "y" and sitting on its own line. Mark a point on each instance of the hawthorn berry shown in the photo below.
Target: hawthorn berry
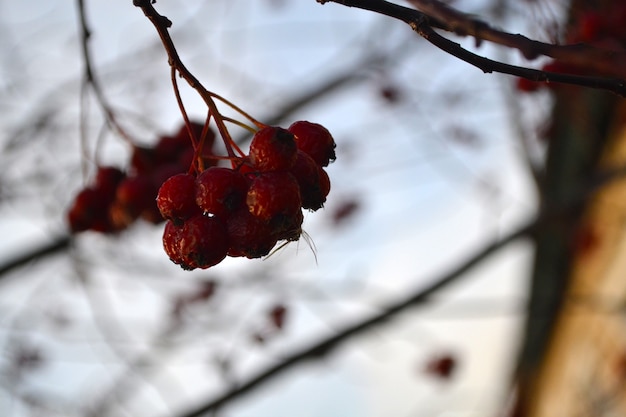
{"x": 171, "y": 242}
{"x": 203, "y": 242}
{"x": 142, "y": 160}
{"x": 176, "y": 198}
{"x": 107, "y": 179}
{"x": 315, "y": 140}
{"x": 273, "y": 196}
{"x": 312, "y": 180}
{"x": 89, "y": 211}
{"x": 248, "y": 235}
{"x": 273, "y": 149}
{"x": 287, "y": 227}
{"x": 220, "y": 191}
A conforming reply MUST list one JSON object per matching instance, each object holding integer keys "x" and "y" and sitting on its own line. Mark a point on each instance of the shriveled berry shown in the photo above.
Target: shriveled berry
{"x": 220, "y": 191}
{"x": 176, "y": 198}
{"x": 203, "y": 242}
{"x": 273, "y": 196}
{"x": 248, "y": 235}
{"x": 315, "y": 140}
{"x": 273, "y": 149}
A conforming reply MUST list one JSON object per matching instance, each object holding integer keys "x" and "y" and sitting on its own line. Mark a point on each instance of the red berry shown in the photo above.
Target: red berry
{"x": 248, "y": 235}
{"x": 171, "y": 242}
{"x": 277, "y": 316}
{"x": 142, "y": 160}
{"x": 196, "y": 130}
{"x": 288, "y": 227}
{"x": 136, "y": 194}
{"x": 107, "y": 180}
{"x": 315, "y": 140}
{"x": 273, "y": 149}
{"x": 176, "y": 198}
{"x": 312, "y": 180}
{"x": 220, "y": 191}
{"x": 168, "y": 148}
{"x": 273, "y": 196}
{"x": 133, "y": 196}
{"x": 89, "y": 211}
{"x": 203, "y": 242}
{"x": 442, "y": 366}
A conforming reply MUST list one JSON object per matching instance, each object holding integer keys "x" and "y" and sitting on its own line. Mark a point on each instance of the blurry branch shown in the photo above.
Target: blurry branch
{"x": 59, "y": 245}
{"x": 422, "y": 296}
{"x": 90, "y": 78}
{"x": 585, "y": 56}
{"x": 326, "y": 346}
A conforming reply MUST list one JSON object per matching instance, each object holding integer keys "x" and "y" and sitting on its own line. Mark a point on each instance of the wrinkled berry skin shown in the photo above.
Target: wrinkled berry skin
{"x": 220, "y": 191}
{"x": 171, "y": 243}
{"x": 273, "y": 195}
{"x": 273, "y": 149}
{"x": 312, "y": 180}
{"x": 314, "y": 140}
{"x": 203, "y": 242}
{"x": 248, "y": 235}
{"x": 176, "y": 198}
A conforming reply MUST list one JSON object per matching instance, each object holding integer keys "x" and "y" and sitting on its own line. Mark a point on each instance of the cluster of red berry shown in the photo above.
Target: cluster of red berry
{"x": 116, "y": 198}
{"x": 246, "y": 210}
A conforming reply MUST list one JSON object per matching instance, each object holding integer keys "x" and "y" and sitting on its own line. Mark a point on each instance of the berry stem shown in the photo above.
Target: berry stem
{"x": 162, "y": 24}
{"x": 238, "y": 109}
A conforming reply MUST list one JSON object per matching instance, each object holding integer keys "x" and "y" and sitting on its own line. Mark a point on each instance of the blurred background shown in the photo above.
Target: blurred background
{"x": 435, "y": 160}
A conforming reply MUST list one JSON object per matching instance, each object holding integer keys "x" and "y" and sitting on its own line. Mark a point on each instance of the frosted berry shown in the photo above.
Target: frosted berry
{"x": 273, "y": 149}
{"x": 176, "y": 198}
{"x": 220, "y": 191}
{"x": 203, "y": 242}
{"x": 273, "y": 196}
{"x": 315, "y": 140}
{"x": 248, "y": 235}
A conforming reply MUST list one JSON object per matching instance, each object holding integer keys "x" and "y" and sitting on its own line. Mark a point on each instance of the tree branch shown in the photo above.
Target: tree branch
{"x": 611, "y": 62}
{"x": 325, "y": 347}
{"x": 60, "y": 244}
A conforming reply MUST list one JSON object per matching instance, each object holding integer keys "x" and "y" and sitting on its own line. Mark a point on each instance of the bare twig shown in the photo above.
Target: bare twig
{"x": 611, "y": 62}
{"x": 423, "y": 24}
{"x": 90, "y": 77}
